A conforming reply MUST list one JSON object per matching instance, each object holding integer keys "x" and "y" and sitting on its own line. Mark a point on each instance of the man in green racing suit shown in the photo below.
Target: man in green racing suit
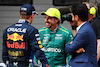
{"x": 53, "y": 38}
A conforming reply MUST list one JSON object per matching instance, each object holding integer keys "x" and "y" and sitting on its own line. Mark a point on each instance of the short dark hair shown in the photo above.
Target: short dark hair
{"x": 23, "y": 15}
{"x": 81, "y": 10}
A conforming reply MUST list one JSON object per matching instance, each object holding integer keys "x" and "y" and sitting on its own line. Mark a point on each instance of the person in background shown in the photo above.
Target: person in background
{"x": 95, "y": 22}
{"x": 53, "y": 38}
{"x": 20, "y": 38}
{"x": 85, "y": 38}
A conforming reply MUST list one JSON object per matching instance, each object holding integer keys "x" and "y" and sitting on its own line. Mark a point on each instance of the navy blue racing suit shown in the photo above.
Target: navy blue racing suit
{"x": 18, "y": 41}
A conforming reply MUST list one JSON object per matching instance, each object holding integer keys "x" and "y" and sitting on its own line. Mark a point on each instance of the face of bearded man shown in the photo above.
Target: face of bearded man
{"x": 50, "y": 21}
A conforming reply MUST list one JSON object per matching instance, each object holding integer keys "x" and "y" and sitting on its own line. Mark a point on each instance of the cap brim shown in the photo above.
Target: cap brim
{"x": 43, "y": 13}
{"x": 35, "y": 12}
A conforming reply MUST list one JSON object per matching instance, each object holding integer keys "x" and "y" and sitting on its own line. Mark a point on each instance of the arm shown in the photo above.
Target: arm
{"x": 4, "y": 50}
{"x": 68, "y": 37}
{"x": 96, "y": 27}
{"x": 36, "y": 47}
{"x": 80, "y": 50}
{"x": 98, "y": 49}
{"x": 80, "y": 40}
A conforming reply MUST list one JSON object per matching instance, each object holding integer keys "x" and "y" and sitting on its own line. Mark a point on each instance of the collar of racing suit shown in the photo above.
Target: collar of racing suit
{"x": 53, "y": 31}
{"x": 23, "y": 21}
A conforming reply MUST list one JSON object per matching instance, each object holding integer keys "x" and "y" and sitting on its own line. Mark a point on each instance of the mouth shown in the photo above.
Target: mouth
{"x": 48, "y": 25}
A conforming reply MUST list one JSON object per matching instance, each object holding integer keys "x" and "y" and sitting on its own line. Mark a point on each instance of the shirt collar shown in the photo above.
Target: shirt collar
{"x": 55, "y": 30}
{"x": 23, "y": 21}
{"x": 80, "y": 26}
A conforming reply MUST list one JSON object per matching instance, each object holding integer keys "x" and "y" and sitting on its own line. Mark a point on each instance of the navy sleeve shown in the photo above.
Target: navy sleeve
{"x": 4, "y": 50}
{"x": 80, "y": 40}
{"x": 36, "y": 46}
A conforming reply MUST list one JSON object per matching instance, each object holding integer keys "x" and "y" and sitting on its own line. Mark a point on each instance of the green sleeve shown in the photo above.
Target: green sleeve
{"x": 69, "y": 38}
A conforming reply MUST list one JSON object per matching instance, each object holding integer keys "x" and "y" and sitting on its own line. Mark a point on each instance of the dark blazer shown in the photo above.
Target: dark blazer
{"x": 86, "y": 39}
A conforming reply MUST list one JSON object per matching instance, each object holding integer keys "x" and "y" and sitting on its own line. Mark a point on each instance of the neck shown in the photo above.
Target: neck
{"x": 79, "y": 23}
{"x": 29, "y": 21}
{"x": 54, "y": 27}
{"x": 91, "y": 17}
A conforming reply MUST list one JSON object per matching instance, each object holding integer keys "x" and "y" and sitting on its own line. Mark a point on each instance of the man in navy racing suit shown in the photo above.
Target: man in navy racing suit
{"x": 20, "y": 38}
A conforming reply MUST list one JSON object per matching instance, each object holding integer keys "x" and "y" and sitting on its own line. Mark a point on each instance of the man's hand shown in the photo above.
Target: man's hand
{"x": 72, "y": 23}
{"x": 47, "y": 65}
{"x": 71, "y": 42}
{"x": 80, "y": 50}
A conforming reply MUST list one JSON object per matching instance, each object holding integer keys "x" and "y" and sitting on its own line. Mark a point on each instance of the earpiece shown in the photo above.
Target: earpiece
{"x": 92, "y": 9}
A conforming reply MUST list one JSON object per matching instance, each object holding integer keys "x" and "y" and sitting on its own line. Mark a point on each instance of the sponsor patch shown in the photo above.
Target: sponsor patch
{"x": 15, "y": 37}
{"x": 17, "y": 30}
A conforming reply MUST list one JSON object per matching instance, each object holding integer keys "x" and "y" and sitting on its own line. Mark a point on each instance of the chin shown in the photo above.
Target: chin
{"x": 48, "y": 26}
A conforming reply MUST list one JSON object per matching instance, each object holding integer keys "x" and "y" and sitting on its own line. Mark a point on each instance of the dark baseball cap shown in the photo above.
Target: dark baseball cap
{"x": 29, "y": 9}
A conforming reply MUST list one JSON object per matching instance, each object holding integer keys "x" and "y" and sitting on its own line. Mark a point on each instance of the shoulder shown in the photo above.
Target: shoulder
{"x": 42, "y": 29}
{"x": 30, "y": 27}
{"x": 86, "y": 28}
{"x": 11, "y": 26}
{"x": 65, "y": 30}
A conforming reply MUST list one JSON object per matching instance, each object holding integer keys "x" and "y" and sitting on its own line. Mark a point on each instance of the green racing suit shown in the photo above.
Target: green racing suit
{"x": 53, "y": 43}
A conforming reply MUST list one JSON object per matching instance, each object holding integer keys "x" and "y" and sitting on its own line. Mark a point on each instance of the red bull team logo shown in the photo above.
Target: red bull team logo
{"x": 15, "y": 37}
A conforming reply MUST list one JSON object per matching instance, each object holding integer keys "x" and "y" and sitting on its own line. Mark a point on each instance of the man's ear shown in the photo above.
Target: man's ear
{"x": 19, "y": 14}
{"x": 76, "y": 17}
{"x": 32, "y": 15}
